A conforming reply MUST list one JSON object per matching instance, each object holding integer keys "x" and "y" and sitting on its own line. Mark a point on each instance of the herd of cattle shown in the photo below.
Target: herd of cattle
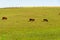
{"x": 30, "y": 20}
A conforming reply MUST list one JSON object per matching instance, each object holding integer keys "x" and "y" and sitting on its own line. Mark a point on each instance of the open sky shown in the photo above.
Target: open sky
{"x": 20, "y": 3}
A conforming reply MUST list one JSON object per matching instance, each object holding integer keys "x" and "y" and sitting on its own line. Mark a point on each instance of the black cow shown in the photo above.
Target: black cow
{"x": 4, "y": 18}
{"x": 31, "y": 20}
{"x": 45, "y": 20}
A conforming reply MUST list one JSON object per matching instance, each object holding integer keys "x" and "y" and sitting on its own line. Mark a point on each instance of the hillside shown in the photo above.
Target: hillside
{"x": 18, "y": 27}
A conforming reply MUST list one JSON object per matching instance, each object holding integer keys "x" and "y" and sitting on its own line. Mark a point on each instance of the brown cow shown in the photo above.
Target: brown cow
{"x": 4, "y": 18}
{"x": 45, "y": 20}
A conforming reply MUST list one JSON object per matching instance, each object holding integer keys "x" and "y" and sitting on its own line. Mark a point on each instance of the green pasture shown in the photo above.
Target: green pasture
{"x": 18, "y": 27}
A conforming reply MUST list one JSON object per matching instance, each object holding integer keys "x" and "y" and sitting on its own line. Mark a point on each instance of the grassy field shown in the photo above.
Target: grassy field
{"x": 18, "y": 27}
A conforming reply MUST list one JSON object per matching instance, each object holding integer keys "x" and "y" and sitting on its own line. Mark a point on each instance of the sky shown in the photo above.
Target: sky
{"x": 26, "y": 3}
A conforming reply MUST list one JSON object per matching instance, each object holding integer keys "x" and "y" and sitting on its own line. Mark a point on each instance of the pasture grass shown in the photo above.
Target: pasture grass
{"x": 18, "y": 27}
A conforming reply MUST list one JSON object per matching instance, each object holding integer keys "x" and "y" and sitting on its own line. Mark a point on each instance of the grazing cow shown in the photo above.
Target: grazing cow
{"x": 45, "y": 20}
{"x": 4, "y": 18}
{"x": 31, "y": 20}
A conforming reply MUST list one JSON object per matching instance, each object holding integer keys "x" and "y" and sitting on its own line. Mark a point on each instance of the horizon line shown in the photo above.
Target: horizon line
{"x": 28, "y": 6}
